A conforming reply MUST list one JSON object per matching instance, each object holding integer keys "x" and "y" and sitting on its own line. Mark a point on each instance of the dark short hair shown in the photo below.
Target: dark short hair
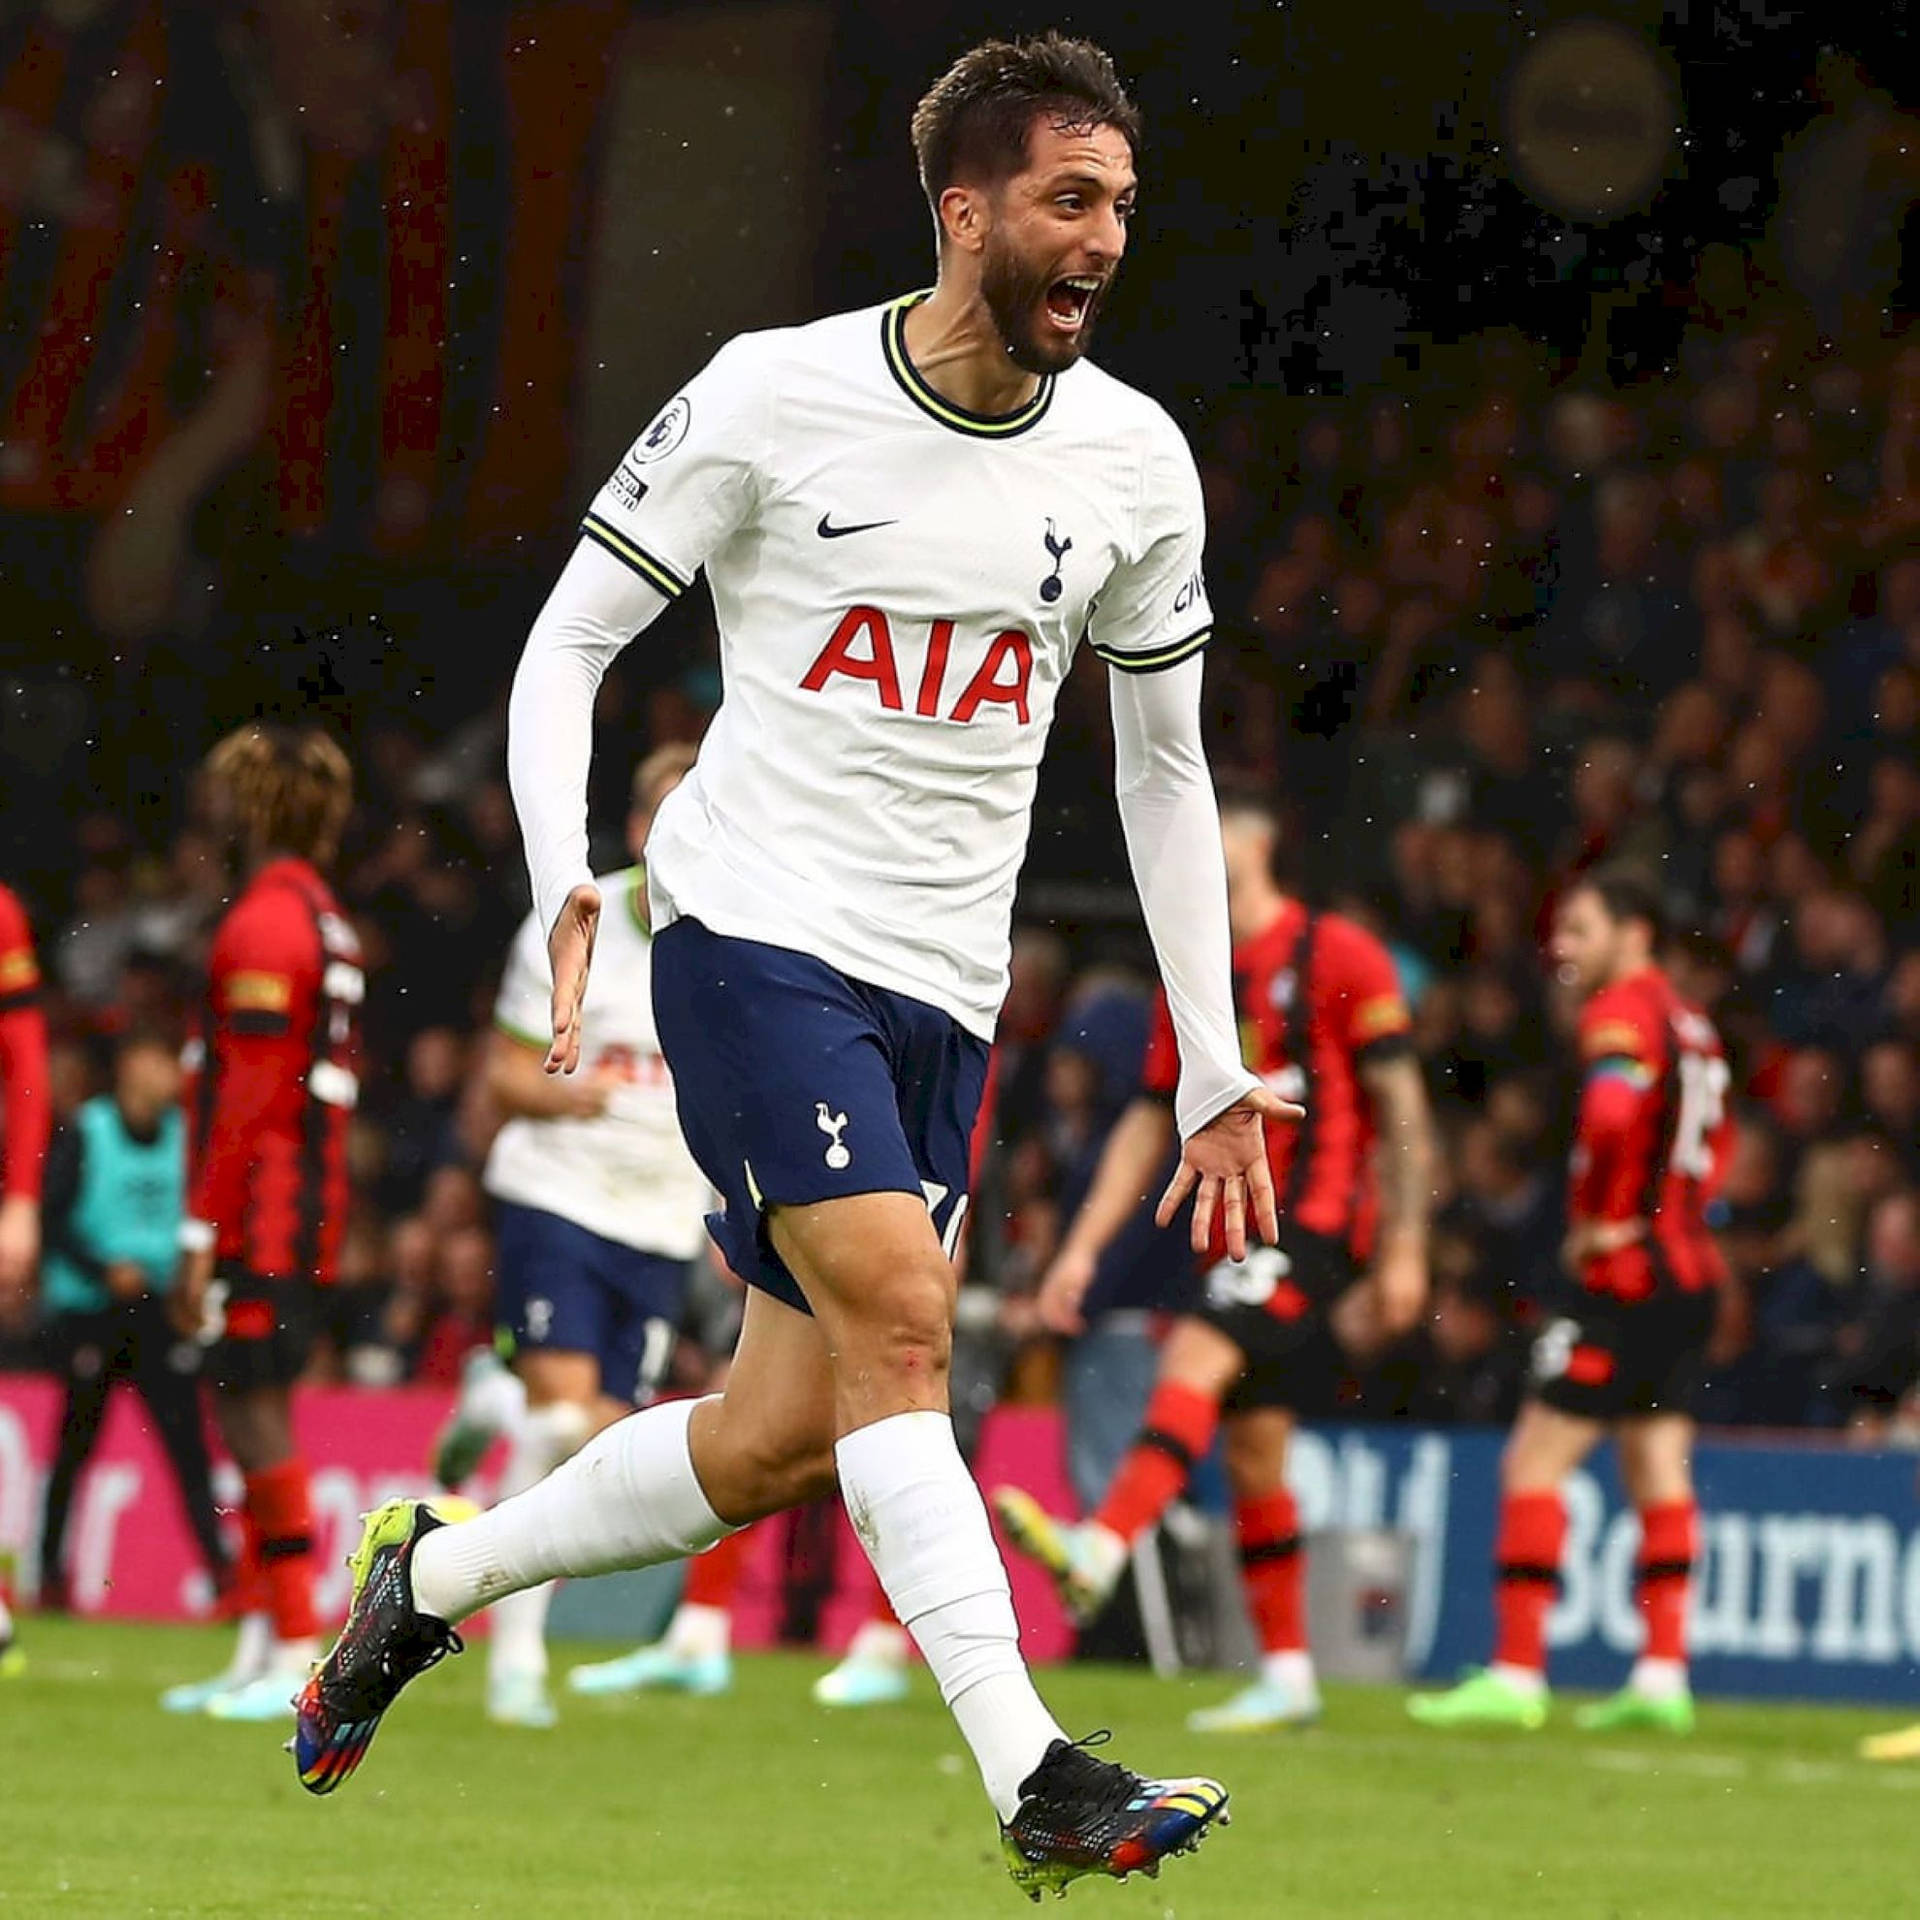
{"x": 1250, "y": 798}
{"x": 973, "y": 123}
{"x": 1627, "y": 893}
{"x": 145, "y": 1038}
{"x": 1244, "y": 796}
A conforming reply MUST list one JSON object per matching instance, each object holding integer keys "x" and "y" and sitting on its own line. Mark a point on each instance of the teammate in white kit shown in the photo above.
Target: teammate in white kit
{"x": 599, "y": 1208}
{"x": 909, "y": 518}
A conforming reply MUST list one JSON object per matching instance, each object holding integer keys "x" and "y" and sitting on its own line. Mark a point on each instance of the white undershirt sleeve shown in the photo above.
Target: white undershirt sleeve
{"x": 597, "y": 605}
{"x": 1172, "y": 827}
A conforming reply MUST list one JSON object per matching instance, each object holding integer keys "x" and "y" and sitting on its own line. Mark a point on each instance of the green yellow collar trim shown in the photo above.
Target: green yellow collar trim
{"x": 984, "y": 426}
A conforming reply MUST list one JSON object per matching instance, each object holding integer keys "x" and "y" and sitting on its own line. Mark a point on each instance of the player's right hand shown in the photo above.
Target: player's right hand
{"x": 187, "y": 1298}
{"x": 19, "y": 1242}
{"x": 126, "y": 1279}
{"x": 570, "y": 953}
{"x": 1063, "y": 1287}
{"x": 1224, "y": 1166}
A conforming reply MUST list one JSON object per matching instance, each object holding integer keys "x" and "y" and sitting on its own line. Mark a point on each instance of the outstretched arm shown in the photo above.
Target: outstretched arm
{"x": 1172, "y": 828}
{"x": 597, "y": 606}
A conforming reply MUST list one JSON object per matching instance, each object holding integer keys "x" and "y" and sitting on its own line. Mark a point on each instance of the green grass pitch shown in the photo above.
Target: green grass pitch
{"x": 762, "y": 1805}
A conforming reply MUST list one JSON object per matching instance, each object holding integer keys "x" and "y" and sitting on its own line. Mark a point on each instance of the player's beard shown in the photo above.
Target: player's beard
{"x": 1015, "y": 291}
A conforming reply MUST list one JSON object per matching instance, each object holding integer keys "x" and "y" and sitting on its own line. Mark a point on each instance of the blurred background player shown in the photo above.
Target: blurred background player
{"x": 275, "y": 1077}
{"x": 115, "y": 1193}
{"x": 26, "y": 1121}
{"x": 1324, "y": 1022}
{"x": 599, "y": 1211}
{"x": 695, "y": 1653}
{"x": 1650, "y": 1152}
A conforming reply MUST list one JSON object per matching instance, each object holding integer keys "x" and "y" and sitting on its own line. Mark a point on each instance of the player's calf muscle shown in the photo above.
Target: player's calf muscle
{"x": 748, "y": 1467}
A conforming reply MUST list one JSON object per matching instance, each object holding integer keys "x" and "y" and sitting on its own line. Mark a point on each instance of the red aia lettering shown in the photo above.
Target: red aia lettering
{"x": 934, "y": 673}
{"x": 838, "y": 656}
{"x": 987, "y": 685}
{"x": 1004, "y": 677}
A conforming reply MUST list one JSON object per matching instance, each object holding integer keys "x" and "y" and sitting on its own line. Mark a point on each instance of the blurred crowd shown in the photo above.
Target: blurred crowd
{"x": 1487, "y": 642}
{"x": 1479, "y": 649}
{"x": 1481, "y": 625}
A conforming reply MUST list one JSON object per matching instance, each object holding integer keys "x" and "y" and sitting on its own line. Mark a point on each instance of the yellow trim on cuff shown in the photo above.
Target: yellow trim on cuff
{"x": 656, "y": 573}
{"x": 1159, "y": 658}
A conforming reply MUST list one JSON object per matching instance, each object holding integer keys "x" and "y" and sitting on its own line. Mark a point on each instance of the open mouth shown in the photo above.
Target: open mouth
{"x": 1070, "y": 299}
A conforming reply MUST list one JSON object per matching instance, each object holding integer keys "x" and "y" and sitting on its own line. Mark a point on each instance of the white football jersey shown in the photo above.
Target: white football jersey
{"x": 626, "y": 1175}
{"x": 900, "y": 587}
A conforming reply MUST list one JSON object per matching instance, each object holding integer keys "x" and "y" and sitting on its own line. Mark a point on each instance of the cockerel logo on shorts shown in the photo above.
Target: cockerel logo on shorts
{"x": 833, "y": 1125}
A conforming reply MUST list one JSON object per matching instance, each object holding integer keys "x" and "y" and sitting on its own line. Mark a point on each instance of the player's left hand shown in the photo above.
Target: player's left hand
{"x": 570, "y": 950}
{"x": 1595, "y": 1239}
{"x": 1399, "y": 1280}
{"x": 1225, "y": 1164}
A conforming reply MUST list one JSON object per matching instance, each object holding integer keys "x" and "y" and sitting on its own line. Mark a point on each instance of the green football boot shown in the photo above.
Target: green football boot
{"x": 1482, "y": 1699}
{"x": 1631, "y": 1712}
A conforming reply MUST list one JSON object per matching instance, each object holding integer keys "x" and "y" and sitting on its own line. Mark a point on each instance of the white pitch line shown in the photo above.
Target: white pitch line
{"x": 1811, "y": 1773}
{"x": 1700, "y": 1766}
{"x": 40, "y": 1668}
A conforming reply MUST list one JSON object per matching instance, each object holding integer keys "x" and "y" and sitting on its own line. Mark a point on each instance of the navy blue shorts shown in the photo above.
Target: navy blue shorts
{"x": 563, "y": 1288}
{"x": 796, "y": 1084}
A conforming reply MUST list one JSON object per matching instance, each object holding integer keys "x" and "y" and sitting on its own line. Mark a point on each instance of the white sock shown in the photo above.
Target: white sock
{"x": 543, "y": 1437}
{"x": 254, "y": 1649}
{"x": 879, "y": 1643}
{"x": 1658, "y": 1679}
{"x": 700, "y": 1633}
{"x": 493, "y": 1397}
{"x": 921, "y": 1519}
{"x": 1290, "y": 1671}
{"x": 1107, "y": 1553}
{"x": 6, "y": 1621}
{"x": 292, "y": 1658}
{"x": 628, "y": 1498}
{"x": 1528, "y": 1680}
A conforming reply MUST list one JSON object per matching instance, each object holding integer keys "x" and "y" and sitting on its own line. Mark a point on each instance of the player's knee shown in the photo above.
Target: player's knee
{"x": 1201, "y": 1357}
{"x": 256, "y": 1429}
{"x": 905, "y": 1330}
{"x": 1256, "y": 1461}
{"x": 1523, "y": 1470}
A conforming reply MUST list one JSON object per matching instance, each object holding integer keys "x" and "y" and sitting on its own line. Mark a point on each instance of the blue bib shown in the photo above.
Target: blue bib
{"x": 132, "y": 1194}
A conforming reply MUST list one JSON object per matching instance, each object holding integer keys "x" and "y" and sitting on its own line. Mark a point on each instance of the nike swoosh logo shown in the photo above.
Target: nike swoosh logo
{"x": 828, "y": 531}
